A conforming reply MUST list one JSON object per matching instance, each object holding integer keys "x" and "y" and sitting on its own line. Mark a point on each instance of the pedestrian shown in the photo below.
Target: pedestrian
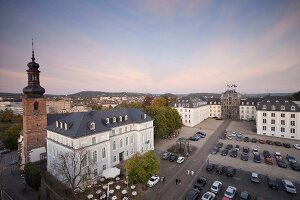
{"x": 192, "y": 173}
{"x": 176, "y": 181}
{"x": 188, "y": 172}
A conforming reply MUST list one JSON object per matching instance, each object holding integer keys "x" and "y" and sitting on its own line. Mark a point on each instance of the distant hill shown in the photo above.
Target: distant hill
{"x": 106, "y": 94}
{"x": 267, "y": 94}
{"x": 169, "y": 95}
{"x": 216, "y": 95}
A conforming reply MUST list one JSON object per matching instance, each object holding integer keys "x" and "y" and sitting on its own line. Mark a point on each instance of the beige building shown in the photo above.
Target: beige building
{"x": 58, "y": 106}
{"x": 230, "y": 104}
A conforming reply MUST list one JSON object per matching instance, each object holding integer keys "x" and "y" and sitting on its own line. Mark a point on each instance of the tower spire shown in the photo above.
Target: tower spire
{"x": 32, "y": 58}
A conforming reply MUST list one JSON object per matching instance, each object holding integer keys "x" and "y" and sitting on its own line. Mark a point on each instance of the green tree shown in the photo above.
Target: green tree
{"x": 32, "y": 175}
{"x": 297, "y": 96}
{"x": 11, "y": 135}
{"x": 160, "y": 101}
{"x": 139, "y": 168}
{"x": 7, "y": 116}
{"x": 131, "y": 105}
{"x": 148, "y": 100}
{"x": 160, "y": 123}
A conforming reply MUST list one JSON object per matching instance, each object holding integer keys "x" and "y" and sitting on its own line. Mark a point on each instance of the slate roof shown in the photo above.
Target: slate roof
{"x": 189, "y": 102}
{"x": 277, "y": 102}
{"x": 79, "y": 123}
{"x": 250, "y": 100}
{"x": 212, "y": 101}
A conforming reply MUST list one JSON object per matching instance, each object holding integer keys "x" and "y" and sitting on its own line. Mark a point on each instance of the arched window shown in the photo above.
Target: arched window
{"x": 94, "y": 156}
{"x": 36, "y": 106}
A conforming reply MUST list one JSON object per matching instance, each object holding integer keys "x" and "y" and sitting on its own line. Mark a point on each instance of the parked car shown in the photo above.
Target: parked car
{"x": 208, "y": 196}
{"x": 192, "y": 194}
{"x": 172, "y": 158}
{"x": 216, "y": 187}
{"x": 200, "y": 183}
{"x": 237, "y": 147}
{"x": 210, "y": 167}
{"x": 255, "y": 151}
{"x": 296, "y": 146}
{"x": 253, "y": 140}
{"x": 180, "y": 159}
{"x": 233, "y": 153}
{"x": 220, "y": 145}
{"x": 229, "y": 137}
{"x": 273, "y": 183}
{"x": 195, "y": 137}
{"x": 245, "y": 195}
{"x": 289, "y": 186}
{"x": 281, "y": 163}
{"x": 268, "y": 161}
{"x": 233, "y": 134}
{"x": 256, "y": 158}
{"x": 224, "y": 152}
{"x": 286, "y": 145}
{"x": 246, "y": 139}
{"x": 153, "y": 180}
{"x": 266, "y": 154}
{"x": 229, "y": 146}
{"x": 230, "y": 171}
{"x": 278, "y": 143}
{"x": 5, "y": 151}
{"x": 254, "y": 177}
{"x": 201, "y": 134}
{"x": 230, "y": 192}
{"x": 214, "y": 150}
{"x": 277, "y": 156}
{"x": 262, "y": 141}
{"x": 220, "y": 169}
{"x": 269, "y": 142}
{"x": 244, "y": 156}
{"x": 166, "y": 155}
{"x": 295, "y": 166}
{"x": 246, "y": 149}
{"x": 290, "y": 158}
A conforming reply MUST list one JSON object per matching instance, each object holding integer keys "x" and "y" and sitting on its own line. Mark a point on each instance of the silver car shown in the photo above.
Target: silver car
{"x": 289, "y": 186}
{"x": 216, "y": 187}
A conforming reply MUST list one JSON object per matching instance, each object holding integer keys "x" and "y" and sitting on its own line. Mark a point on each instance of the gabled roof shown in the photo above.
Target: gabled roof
{"x": 189, "y": 102}
{"x": 78, "y": 124}
{"x": 251, "y": 100}
{"x": 277, "y": 102}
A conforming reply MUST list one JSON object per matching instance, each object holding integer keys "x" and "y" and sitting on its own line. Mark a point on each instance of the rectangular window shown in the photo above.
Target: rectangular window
{"x": 103, "y": 153}
{"x": 292, "y": 130}
{"x": 292, "y": 115}
{"x": 93, "y": 140}
{"x": 264, "y": 128}
{"x": 131, "y": 139}
{"x": 104, "y": 167}
{"x": 282, "y": 122}
{"x": 272, "y": 121}
{"x": 282, "y": 129}
{"x": 125, "y": 128}
{"x": 292, "y": 123}
{"x": 272, "y": 128}
{"x": 120, "y": 130}
{"x": 282, "y": 115}
{"x": 272, "y": 114}
{"x": 115, "y": 159}
{"x": 126, "y": 141}
{"x": 264, "y": 121}
{"x": 264, "y": 114}
{"x": 84, "y": 160}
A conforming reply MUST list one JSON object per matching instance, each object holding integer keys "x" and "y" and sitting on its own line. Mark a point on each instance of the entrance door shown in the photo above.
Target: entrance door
{"x": 121, "y": 156}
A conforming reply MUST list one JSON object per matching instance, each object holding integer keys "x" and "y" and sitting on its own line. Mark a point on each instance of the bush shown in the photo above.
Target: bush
{"x": 32, "y": 175}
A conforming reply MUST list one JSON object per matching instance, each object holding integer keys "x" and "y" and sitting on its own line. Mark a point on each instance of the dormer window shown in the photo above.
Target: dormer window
{"x": 126, "y": 117}
{"x": 292, "y": 107}
{"x": 120, "y": 118}
{"x": 107, "y": 120}
{"x": 282, "y": 108}
{"x": 277, "y": 101}
{"x": 145, "y": 115}
{"x": 286, "y": 101}
{"x": 92, "y": 126}
{"x": 264, "y": 107}
{"x": 114, "y": 119}
{"x": 56, "y": 123}
{"x": 268, "y": 101}
{"x": 61, "y": 125}
{"x": 66, "y": 126}
{"x": 175, "y": 105}
{"x": 183, "y": 105}
{"x": 273, "y": 107}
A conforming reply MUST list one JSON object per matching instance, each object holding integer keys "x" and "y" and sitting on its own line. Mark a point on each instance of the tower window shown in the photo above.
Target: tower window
{"x": 36, "y": 106}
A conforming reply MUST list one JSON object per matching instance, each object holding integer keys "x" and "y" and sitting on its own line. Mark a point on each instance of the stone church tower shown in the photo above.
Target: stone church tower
{"x": 33, "y": 142}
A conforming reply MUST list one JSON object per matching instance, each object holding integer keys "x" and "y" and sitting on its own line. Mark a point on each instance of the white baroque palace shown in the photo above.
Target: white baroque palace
{"x": 110, "y": 136}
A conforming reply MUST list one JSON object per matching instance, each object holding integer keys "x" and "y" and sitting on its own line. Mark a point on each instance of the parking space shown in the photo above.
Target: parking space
{"x": 242, "y": 127}
{"x": 260, "y": 168}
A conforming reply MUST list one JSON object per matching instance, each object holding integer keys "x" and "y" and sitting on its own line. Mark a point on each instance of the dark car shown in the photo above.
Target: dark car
{"x": 266, "y": 154}
{"x": 233, "y": 153}
{"x": 230, "y": 171}
{"x": 246, "y": 139}
{"x": 192, "y": 194}
{"x": 237, "y": 147}
{"x": 269, "y": 142}
{"x": 229, "y": 146}
{"x": 200, "y": 183}
{"x": 290, "y": 158}
{"x": 166, "y": 155}
{"x": 286, "y": 145}
{"x": 172, "y": 158}
{"x": 272, "y": 183}
{"x": 244, "y": 156}
{"x": 268, "y": 161}
{"x": 5, "y": 151}
{"x": 246, "y": 149}
{"x": 253, "y": 140}
{"x": 224, "y": 152}
{"x": 220, "y": 169}
{"x": 281, "y": 163}
{"x": 262, "y": 141}
{"x": 245, "y": 195}
{"x": 210, "y": 167}
{"x": 295, "y": 166}
{"x": 220, "y": 145}
{"x": 195, "y": 137}
{"x": 278, "y": 143}
{"x": 256, "y": 158}
{"x": 214, "y": 150}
